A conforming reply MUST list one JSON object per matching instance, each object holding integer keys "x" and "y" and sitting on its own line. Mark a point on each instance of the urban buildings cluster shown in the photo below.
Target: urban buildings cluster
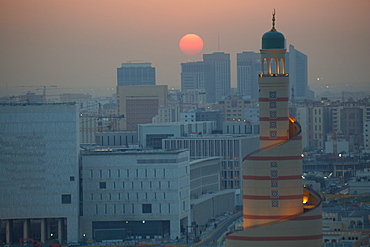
{"x": 153, "y": 163}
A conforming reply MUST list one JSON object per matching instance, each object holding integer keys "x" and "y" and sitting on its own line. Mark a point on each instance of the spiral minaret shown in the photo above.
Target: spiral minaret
{"x": 276, "y": 208}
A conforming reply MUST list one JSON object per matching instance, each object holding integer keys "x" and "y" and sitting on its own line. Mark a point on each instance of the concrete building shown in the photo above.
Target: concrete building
{"x": 139, "y": 104}
{"x": 211, "y": 75}
{"x": 360, "y": 184}
{"x": 168, "y": 114}
{"x": 193, "y": 96}
{"x": 233, "y": 107}
{"x": 248, "y": 68}
{"x": 207, "y": 201}
{"x": 349, "y": 228}
{"x": 39, "y": 192}
{"x": 189, "y": 116}
{"x": 277, "y": 210}
{"x": 115, "y": 139}
{"x": 213, "y": 115}
{"x": 193, "y": 75}
{"x": 237, "y": 128}
{"x": 231, "y": 148}
{"x": 136, "y": 74}
{"x": 151, "y": 135}
{"x": 135, "y": 194}
{"x": 217, "y": 82}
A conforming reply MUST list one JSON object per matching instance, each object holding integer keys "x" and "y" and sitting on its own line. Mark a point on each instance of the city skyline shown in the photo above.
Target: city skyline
{"x": 81, "y": 44}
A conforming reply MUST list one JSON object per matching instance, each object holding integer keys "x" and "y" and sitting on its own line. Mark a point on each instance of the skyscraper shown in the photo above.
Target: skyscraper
{"x": 192, "y": 75}
{"x": 212, "y": 75}
{"x": 217, "y": 81}
{"x": 277, "y": 210}
{"x": 248, "y": 67}
{"x": 296, "y": 62}
{"x": 133, "y": 74}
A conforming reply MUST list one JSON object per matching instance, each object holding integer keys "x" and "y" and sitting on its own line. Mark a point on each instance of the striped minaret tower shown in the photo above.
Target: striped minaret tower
{"x": 272, "y": 179}
{"x": 277, "y": 210}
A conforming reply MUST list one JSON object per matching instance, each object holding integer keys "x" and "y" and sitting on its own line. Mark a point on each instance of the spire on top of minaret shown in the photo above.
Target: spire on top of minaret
{"x": 273, "y": 39}
{"x": 273, "y": 21}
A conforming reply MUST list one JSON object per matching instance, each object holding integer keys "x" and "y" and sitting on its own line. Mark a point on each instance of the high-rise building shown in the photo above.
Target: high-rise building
{"x": 277, "y": 210}
{"x": 296, "y": 66}
{"x": 133, "y": 74}
{"x": 248, "y": 67}
{"x": 192, "y": 75}
{"x": 217, "y": 81}
{"x": 211, "y": 75}
{"x": 39, "y": 192}
{"x": 139, "y": 104}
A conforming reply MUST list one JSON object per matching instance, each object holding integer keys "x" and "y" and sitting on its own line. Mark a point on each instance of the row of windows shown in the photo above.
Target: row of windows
{"x": 274, "y": 184}
{"x": 273, "y": 114}
{"x": 139, "y": 185}
{"x": 130, "y": 196}
{"x": 138, "y": 173}
{"x": 129, "y": 209}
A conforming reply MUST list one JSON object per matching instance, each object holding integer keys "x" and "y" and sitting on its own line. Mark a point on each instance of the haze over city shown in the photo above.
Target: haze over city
{"x": 81, "y": 43}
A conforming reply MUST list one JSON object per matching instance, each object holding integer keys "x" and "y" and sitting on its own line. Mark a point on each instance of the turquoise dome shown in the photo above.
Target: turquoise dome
{"x": 273, "y": 40}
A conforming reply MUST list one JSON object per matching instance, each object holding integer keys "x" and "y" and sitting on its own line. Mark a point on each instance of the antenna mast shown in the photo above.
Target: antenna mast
{"x": 218, "y": 41}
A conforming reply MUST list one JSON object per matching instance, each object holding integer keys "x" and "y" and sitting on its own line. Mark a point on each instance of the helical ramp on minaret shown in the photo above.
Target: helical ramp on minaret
{"x": 277, "y": 209}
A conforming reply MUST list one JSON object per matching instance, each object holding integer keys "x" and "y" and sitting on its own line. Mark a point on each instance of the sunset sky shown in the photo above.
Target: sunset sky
{"x": 80, "y": 43}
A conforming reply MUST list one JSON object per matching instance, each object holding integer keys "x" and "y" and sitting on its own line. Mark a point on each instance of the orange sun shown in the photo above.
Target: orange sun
{"x": 191, "y": 44}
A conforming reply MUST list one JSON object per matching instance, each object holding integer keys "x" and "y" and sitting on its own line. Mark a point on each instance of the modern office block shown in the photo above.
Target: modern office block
{"x": 135, "y": 74}
{"x": 39, "y": 192}
{"x": 139, "y": 104}
{"x": 135, "y": 194}
{"x": 231, "y": 148}
{"x": 151, "y": 135}
{"x": 248, "y": 67}
{"x": 217, "y": 82}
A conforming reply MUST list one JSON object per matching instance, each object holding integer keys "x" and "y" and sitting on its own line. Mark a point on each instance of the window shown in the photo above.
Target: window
{"x": 274, "y": 184}
{"x": 66, "y": 199}
{"x": 274, "y": 174}
{"x": 273, "y": 164}
{"x": 272, "y": 105}
{"x": 274, "y": 204}
{"x": 71, "y": 178}
{"x": 272, "y": 95}
{"x": 273, "y": 115}
{"x": 147, "y": 208}
{"x": 274, "y": 194}
{"x": 102, "y": 185}
{"x": 273, "y": 134}
{"x": 273, "y": 124}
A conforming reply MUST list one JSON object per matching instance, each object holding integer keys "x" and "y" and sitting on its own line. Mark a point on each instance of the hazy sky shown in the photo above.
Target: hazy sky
{"x": 81, "y": 43}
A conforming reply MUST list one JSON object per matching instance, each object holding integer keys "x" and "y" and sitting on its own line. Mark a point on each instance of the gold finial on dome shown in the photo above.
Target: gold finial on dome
{"x": 273, "y": 21}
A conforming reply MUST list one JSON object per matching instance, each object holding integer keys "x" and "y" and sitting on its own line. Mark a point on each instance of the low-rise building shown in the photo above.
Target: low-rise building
{"x": 360, "y": 184}
{"x": 231, "y": 148}
{"x": 131, "y": 194}
{"x": 151, "y": 135}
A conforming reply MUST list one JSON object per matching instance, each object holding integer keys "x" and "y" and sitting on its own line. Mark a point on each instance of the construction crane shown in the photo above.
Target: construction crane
{"x": 99, "y": 116}
{"x": 42, "y": 88}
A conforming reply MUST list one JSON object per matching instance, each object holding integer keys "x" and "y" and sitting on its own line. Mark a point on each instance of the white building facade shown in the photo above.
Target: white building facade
{"x": 231, "y": 148}
{"x": 151, "y": 135}
{"x": 135, "y": 194}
